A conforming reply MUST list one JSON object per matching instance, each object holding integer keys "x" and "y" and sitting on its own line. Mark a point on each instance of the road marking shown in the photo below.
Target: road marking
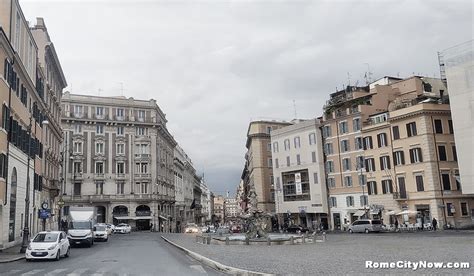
{"x": 55, "y": 272}
{"x": 12, "y": 272}
{"x": 198, "y": 268}
{"x": 32, "y": 272}
{"x": 77, "y": 272}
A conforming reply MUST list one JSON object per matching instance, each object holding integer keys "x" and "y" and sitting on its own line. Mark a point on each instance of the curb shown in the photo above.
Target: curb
{"x": 12, "y": 259}
{"x": 216, "y": 265}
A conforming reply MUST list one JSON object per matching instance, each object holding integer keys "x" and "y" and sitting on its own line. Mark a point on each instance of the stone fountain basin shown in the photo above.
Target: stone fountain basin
{"x": 276, "y": 239}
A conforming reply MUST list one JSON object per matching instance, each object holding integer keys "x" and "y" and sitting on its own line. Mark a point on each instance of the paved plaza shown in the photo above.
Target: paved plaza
{"x": 344, "y": 253}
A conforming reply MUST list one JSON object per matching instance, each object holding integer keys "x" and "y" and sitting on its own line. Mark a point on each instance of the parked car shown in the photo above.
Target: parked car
{"x": 365, "y": 226}
{"x": 100, "y": 232}
{"x": 110, "y": 228}
{"x": 235, "y": 229}
{"x": 123, "y": 228}
{"x": 297, "y": 229}
{"x": 191, "y": 228}
{"x": 48, "y": 245}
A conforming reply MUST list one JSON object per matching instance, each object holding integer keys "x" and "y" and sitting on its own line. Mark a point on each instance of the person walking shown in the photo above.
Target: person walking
{"x": 435, "y": 224}
{"x": 396, "y": 225}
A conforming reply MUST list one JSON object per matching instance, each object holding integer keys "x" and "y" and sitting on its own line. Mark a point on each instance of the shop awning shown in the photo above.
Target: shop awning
{"x": 134, "y": 218}
{"x": 163, "y": 217}
{"x": 359, "y": 213}
{"x": 374, "y": 211}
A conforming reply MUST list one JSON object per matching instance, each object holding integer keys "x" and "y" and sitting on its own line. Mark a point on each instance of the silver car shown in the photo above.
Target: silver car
{"x": 365, "y": 226}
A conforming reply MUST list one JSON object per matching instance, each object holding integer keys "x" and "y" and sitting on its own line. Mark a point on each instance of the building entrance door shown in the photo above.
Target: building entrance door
{"x": 336, "y": 217}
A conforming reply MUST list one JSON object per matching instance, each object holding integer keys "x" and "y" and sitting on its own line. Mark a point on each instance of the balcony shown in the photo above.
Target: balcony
{"x": 142, "y": 155}
{"x": 77, "y": 175}
{"x": 143, "y": 175}
{"x": 78, "y": 115}
{"x": 120, "y": 176}
{"x": 99, "y": 176}
{"x": 100, "y": 116}
{"x": 120, "y": 118}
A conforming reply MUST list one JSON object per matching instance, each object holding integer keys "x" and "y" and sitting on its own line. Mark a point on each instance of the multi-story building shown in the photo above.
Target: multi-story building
{"x": 343, "y": 147}
{"x": 205, "y": 203}
{"x": 230, "y": 206}
{"x": 456, "y": 65}
{"x": 219, "y": 210}
{"x": 258, "y": 162}
{"x": 411, "y": 157}
{"x": 119, "y": 158}
{"x": 50, "y": 82}
{"x": 298, "y": 173}
{"x": 23, "y": 112}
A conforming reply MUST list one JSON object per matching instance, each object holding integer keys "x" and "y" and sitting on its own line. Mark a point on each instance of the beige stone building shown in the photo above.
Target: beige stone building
{"x": 119, "y": 157}
{"x": 410, "y": 157}
{"x": 258, "y": 171}
{"x": 219, "y": 210}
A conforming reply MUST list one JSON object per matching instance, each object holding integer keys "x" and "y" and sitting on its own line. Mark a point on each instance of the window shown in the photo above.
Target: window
{"x": 419, "y": 183}
{"x": 99, "y": 111}
{"x": 396, "y": 133}
{"x": 141, "y": 131}
{"x": 369, "y": 165}
{"x": 415, "y": 155}
{"x": 99, "y": 148}
{"x": 142, "y": 149}
{"x": 141, "y": 115}
{"x": 358, "y": 143}
{"x": 411, "y": 129}
{"x": 120, "y": 168}
{"x": 348, "y": 181}
{"x": 99, "y": 167}
{"x": 331, "y": 182}
{"x": 276, "y": 163}
{"x": 350, "y": 201}
{"x": 269, "y": 162}
{"x": 364, "y": 200}
{"x": 120, "y": 130}
{"x": 387, "y": 187}
{"x": 450, "y": 125}
{"x": 382, "y": 140}
{"x": 346, "y": 164}
{"x": 287, "y": 144}
{"x": 77, "y": 147}
{"x": 332, "y": 202}
{"x": 77, "y": 129}
{"x": 442, "y": 153}
{"x": 297, "y": 142}
{"x": 326, "y": 132}
{"x": 362, "y": 180}
{"x": 298, "y": 159}
{"x": 3, "y": 165}
{"x": 384, "y": 163}
{"x": 399, "y": 158}
{"x": 141, "y": 168}
{"x": 343, "y": 127}
{"x": 464, "y": 209}
{"x": 446, "y": 181}
{"x": 315, "y": 178}
{"x": 455, "y": 155}
{"x": 450, "y": 209}
{"x": 457, "y": 178}
{"x": 368, "y": 143}
{"x": 99, "y": 188}
{"x": 99, "y": 129}
{"x": 344, "y": 145}
{"x": 275, "y": 146}
{"x": 78, "y": 110}
{"x": 269, "y": 129}
{"x": 269, "y": 147}
{"x": 330, "y": 166}
{"x": 120, "y": 148}
{"x": 313, "y": 157}
{"x": 77, "y": 167}
{"x": 120, "y": 114}
{"x": 356, "y": 124}
{"x": 120, "y": 188}
{"x": 372, "y": 187}
{"x": 438, "y": 124}
{"x": 401, "y": 187}
{"x": 77, "y": 188}
{"x": 328, "y": 148}
{"x": 360, "y": 162}
{"x": 288, "y": 161}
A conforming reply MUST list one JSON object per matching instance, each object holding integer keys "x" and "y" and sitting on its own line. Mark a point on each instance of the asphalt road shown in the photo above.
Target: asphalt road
{"x": 135, "y": 254}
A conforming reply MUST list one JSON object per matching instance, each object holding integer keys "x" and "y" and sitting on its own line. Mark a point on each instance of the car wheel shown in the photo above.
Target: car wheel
{"x": 28, "y": 260}
{"x": 367, "y": 231}
{"x": 58, "y": 255}
{"x": 67, "y": 252}
{"x": 107, "y": 239}
{"x": 350, "y": 231}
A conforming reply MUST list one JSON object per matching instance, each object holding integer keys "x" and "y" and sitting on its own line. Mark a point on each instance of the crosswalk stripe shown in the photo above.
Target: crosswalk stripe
{"x": 55, "y": 272}
{"x": 77, "y": 272}
{"x": 198, "y": 268}
{"x": 32, "y": 272}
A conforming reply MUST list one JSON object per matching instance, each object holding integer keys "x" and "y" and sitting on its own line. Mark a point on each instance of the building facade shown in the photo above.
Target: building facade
{"x": 298, "y": 173}
{"x": 230, "y": 206}
{"x": 258, "y": 169}
{"x": 119, "y": 157}
{"x": 219, "y": 210}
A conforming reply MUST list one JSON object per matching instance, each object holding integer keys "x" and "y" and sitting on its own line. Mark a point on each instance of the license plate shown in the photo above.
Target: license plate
{"x": 78, "y": 242}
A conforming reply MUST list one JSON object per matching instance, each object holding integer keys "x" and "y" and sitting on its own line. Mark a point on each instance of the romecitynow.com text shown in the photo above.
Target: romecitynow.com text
{"x": 416, "y": 265}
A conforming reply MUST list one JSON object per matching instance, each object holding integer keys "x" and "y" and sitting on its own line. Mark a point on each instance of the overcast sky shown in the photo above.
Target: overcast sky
{"x": 214, "y": 66}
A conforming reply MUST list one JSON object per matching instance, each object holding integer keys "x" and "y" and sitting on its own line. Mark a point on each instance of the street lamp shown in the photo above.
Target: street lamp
{"x": 26, "y": 230}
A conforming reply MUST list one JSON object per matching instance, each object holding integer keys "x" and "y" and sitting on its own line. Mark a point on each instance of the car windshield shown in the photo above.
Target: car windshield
{"x": 376, "y": 222}
{"x": 100, "y": 228}
{"x": 46, "y": 237}
{"x": 79, "y": 225}
{"x": 122, "y": 225}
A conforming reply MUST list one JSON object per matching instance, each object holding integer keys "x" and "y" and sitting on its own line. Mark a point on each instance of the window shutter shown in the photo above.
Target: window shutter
{"x": 369, "y": 187}
{"x": 379, "y": 140}
{"x": 366, "y": 161}
{"x": 390, "y": 186}
{"x": 381, "y": 163}
{"x": 403, "y": 157}
{"x": 394, "y": 155}
{"x": 373, "y": 164}
{"x": 371, "y": 145}
{"x": 388, "y": 162}
{"x": 412, "y": 157}
{"x": 384, "y": 189}
{"x": 419, "y": 154}
{"x": 375, "y": 187}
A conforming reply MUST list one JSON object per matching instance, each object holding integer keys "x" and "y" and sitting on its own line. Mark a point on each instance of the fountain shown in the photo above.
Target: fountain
{"x": 255, "y": 219}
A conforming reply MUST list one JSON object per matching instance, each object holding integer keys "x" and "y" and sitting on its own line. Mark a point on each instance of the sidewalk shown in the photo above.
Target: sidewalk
{"x": 11, "y": 254}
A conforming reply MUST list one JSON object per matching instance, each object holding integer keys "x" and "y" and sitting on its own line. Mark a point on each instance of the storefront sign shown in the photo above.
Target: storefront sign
{"x": 299, "y": 190}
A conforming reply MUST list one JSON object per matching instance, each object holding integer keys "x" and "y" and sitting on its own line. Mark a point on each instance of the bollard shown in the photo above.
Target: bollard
{"x": 247, "y": 241}
{"x": 292, "y": 240}
{"x": 269, "y": 241}
{"x": 324, "y": 236}
{"x": 226, "y": 240}
{"x": 204, "y": 240}
{"x": 303, "y": 239}
{"x": 208, "y": 239}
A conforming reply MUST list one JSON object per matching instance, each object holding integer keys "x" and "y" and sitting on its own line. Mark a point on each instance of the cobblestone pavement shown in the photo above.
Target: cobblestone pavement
{"x": 344, "y": 253}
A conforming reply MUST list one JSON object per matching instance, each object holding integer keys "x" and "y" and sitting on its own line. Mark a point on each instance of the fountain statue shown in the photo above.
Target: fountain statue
{"x": 255, "y": 219}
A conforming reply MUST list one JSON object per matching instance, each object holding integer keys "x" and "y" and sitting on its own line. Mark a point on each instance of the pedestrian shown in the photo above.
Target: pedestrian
{"x": 435, "y": 224}
{"x": 396, "y": 225}
{"x": 151, "y": 227}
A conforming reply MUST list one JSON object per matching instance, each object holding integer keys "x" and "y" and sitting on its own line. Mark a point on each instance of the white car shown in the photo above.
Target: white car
{"x": 110, "y": 228}
{"x": 48, "y": 245}
{"x": 123, "y": 228}
{"x": 100, "y": 232}
{"x": 191, "y": 228}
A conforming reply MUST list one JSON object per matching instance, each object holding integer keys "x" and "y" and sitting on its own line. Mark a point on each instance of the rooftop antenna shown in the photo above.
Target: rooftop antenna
{"x": 368, "y": 74}
{"x": 294, "y": 108}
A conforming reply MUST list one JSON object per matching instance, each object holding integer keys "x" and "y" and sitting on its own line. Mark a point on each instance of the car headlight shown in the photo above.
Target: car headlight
{"x": 89, "y": 235}
{"x": 52, "y": 247}
{"x": 29, "y": 247}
